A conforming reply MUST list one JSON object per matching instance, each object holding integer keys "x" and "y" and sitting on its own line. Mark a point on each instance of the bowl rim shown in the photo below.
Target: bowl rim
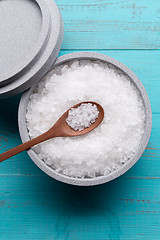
{"x": 124, "y": 168}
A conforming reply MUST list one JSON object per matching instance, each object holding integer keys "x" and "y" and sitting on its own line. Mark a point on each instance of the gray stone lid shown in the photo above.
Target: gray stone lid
{"x": 31, "y": 34}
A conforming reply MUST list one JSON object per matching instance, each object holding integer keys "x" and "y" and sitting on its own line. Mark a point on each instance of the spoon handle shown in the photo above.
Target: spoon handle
{"x": 24, "y": 146}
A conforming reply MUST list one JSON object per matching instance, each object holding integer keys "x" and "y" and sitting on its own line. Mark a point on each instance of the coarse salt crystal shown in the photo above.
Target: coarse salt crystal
{"x": 83, "y": 116}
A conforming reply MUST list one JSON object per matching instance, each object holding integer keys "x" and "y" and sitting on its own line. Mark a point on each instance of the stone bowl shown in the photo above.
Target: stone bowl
{"x": 101, "y": 179}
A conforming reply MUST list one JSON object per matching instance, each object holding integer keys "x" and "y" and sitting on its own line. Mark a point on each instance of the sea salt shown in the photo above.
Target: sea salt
{"x": 112, "y": 143}
{"x": 83, "y": 116}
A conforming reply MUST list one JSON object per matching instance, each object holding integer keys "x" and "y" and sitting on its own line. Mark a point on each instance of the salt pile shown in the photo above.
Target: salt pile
{"x": 112, "y": 143}
{"x": 83, "y": 116}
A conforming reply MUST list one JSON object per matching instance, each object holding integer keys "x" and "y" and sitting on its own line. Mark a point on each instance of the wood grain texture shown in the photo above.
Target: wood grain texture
{"x": 110, "y": 24}
{"x": 39, "y": 208}
{"x": 34, "y": 206}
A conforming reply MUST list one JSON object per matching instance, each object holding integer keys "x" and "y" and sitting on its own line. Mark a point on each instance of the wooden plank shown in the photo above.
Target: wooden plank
{"x": 110, "y": 24}
{"x": 41, "y": 208}
{"x": 146, "y": 65}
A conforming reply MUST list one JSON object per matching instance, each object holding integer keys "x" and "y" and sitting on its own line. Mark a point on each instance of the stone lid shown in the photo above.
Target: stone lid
{"x": 31, "y": 34}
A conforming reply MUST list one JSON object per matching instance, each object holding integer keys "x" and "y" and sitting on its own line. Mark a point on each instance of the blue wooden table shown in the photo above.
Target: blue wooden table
{"x": 34, "y": 206}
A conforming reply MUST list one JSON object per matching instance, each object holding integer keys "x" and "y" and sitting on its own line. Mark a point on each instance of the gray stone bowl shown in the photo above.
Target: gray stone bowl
{"x": 101, "y": 179}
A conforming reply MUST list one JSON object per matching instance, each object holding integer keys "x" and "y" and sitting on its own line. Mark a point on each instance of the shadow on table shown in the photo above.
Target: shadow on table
{"x": 9, "y": 111}
{"x": 82, "y": 200}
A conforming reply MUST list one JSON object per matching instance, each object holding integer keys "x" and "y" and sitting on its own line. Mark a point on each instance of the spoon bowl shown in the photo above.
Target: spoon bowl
{"x": 62, "y": 129}
{"x": 59, "y": 129}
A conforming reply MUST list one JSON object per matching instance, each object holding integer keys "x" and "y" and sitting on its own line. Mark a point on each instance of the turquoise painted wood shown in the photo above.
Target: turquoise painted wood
{"x": 34, "y": 206}
{"x": 111, "y": 24}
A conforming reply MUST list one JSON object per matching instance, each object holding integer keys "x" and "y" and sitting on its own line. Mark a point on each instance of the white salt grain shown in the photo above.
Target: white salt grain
{"x": 112, "y": 143}
{"x": 83, "y": 116}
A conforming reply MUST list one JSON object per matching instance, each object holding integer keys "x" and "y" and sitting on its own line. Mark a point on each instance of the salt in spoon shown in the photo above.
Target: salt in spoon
{"x": 59, "y": 129}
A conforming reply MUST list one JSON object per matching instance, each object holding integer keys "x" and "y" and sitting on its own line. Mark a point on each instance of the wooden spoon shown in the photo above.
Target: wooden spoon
{"x": 59, "y": 129}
